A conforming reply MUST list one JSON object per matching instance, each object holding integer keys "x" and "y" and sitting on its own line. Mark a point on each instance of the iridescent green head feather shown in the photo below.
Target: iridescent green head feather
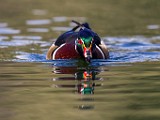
{"x": 87, "y": 41}
{"x": 84, "y": 43}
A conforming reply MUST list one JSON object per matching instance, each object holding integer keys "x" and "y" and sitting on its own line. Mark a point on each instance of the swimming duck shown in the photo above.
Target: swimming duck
{"x": 83, "y": 43}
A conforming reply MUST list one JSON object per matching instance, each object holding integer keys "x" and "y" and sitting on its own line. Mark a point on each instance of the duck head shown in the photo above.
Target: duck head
{"x": 85, "y": 44}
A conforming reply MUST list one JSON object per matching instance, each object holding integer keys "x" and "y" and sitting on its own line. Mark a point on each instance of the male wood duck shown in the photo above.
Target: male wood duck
{"x": 73, "y": 44}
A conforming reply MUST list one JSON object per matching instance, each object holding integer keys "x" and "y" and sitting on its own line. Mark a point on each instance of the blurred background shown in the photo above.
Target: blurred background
{"x": 122, "y": 17}
{"x": 48, "y": 19}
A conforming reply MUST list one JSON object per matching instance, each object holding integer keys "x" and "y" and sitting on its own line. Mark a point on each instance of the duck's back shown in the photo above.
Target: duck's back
{"x": 68, "y": 37}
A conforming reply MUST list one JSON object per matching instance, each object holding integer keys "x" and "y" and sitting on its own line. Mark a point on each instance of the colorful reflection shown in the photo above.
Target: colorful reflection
{"x": 80, "y": 80}
{"x": 85, "y": 78}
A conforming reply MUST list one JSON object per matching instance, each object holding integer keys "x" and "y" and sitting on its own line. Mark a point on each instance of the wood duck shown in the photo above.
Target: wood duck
{"x": 73, "y": 44}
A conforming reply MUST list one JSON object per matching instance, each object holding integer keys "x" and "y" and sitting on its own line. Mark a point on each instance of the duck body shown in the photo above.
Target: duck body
{"x": 83, "y": 44}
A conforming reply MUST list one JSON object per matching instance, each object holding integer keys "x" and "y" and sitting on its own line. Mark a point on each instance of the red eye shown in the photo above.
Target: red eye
{"x": 80, "y": 41}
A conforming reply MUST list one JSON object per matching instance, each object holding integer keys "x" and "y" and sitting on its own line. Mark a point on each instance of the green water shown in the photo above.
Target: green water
{"x": 30, "y": 91}
{"x": 125, "y": 87}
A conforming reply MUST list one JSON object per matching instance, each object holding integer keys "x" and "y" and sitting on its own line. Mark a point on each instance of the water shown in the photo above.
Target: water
{"x": 123, "y": 87}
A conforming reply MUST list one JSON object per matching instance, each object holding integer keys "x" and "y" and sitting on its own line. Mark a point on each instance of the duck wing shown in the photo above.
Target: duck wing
{"x": 65, "y": 37}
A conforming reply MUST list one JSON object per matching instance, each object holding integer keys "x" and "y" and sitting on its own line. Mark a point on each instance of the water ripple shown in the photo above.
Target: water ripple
{"x": 61, "y": 28}
{"x": 133, "y": 49}
{"x": 9, "y": 31}
{"x": 3, "y": 38}
{"x": 39, "y": 12}
{"x": 64, "y": 19}
{"x": 20, "y": 42}
{"x": 41, "y": 30}
{"x": 38, "y": 22}
{"x": 153, "y": 27}
{"x": 28, "y": 37}
{"x": 3, "y": 25}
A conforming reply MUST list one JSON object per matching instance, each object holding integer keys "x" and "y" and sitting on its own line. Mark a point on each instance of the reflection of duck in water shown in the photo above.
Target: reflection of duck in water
{"x": 86, "y": 87}
{"x": 82, "y": 44}
{"x": 86, "y": 82}
{"x": 86, "y": 75}
{"x": 78, "y": 74}
{"x": 85, "y": 79}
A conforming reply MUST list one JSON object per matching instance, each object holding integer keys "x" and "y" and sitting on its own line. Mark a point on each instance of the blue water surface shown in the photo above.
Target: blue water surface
{"x": 122, "y": 50}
